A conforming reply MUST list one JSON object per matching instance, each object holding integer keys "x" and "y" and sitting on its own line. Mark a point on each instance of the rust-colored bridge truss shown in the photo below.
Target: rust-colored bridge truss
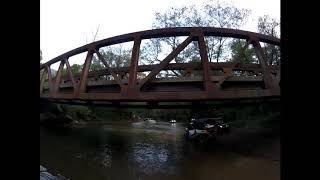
{"x": 126, "y": 87}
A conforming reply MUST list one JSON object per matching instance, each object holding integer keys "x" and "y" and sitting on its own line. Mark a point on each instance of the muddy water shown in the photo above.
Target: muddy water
{"x": 140, "y": 151}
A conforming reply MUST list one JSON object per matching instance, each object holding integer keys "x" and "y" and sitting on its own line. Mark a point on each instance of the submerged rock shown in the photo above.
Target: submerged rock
{"x": 45, "y": 175}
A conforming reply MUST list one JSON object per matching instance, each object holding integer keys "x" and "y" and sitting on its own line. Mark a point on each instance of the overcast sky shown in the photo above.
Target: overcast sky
{"x": 68, "y": 24}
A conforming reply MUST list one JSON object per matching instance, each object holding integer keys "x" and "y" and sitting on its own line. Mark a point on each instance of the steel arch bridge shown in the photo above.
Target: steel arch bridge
{"x": 262, "y": 80}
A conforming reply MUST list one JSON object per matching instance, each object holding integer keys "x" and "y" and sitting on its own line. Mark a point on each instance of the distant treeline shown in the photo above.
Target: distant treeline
{"x": 246, "y": 115}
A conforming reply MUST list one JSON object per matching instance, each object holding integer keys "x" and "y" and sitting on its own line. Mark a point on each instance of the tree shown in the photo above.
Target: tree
{"x": 149, "y": 53}
{"x": 75, "y": 69}
{"x": 271, "y": 27}
{"x": 212, "y": 13}
{"x": 268, "y": 26}
{"x": 222, "y": 16}
{"x": 116, "y": 56}
{"x": 96, "y": 64}
{"x": 237, "y": 48}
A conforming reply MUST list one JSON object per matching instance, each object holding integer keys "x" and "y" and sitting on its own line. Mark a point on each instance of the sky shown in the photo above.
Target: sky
{"x": 68, "y": 24}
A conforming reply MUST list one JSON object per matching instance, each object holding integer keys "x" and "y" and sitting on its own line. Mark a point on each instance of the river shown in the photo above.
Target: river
{"x": 125, "y": 151}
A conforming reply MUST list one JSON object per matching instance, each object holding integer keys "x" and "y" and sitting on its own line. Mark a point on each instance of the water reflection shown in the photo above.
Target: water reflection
{"x": 105, "y": 157}
{"x": 150, "y": 158}
{"x": 127, "y": 152}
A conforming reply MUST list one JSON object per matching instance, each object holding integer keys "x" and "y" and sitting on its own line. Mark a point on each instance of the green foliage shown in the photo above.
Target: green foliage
{"x": 96, "y": 64}
{"x": 237, "y": 50}
{"x": 270, "y": 26}
{"x": 78, "y": 113}
{"x": 114, "y": 56}
{"x": 264, "y": 115}
{"x": 75, "y": 69}
{"x": 117, "y": 56}
{"x": 253, "y": 116}
{"x": 272, "y": 53}
{"x": 212, "y": 13}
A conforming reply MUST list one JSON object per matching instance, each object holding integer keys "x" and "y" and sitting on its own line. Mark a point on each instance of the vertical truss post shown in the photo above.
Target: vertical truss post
{"x": 84, "y": 74}
{"x": 44, "y": 73}
{"x": 70, "y": 74}
{"x": 205, "y": 63}
{"x": 49, "y": 80}
{"x": 267, "y": 76}
{"x": 132, "y": 85}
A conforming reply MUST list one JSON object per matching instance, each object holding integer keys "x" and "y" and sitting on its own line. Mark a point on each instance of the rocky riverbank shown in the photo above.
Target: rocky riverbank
{"x": 45, "y": 175}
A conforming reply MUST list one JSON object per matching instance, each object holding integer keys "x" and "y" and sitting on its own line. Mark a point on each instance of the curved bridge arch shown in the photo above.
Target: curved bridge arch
{"x": 132, "y": 89}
